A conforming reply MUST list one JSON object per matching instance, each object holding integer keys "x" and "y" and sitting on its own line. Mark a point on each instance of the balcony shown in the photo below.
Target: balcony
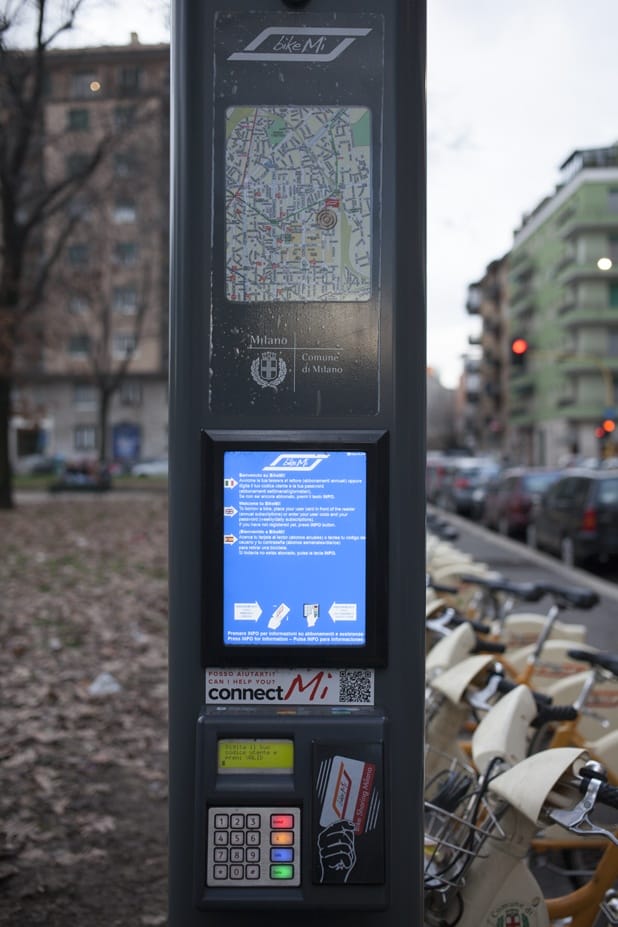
{"x": 492, "y": 292}
{"x": 523, "y": 385}
{"x": 474, "y": 300}
{"x": 591, "y": 314}
{"x": 575, "y": 364}
{"x": 492, "y": 391}
{"x": 566, "y": 261}
{"x": 577, "y": 272}
{"x": 492, "y": 325}
{"x": 580, "y": 225}
{"x": 523, "y": 308}
{"x": 520, "y": 416}
{"x": 567, "y": 306}
{"x": 489, "y": 343}
{"x": 520, "y": 261}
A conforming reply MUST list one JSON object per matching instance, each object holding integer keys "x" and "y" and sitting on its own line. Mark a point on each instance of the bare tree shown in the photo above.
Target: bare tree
{"x": 66, "y": 197}
{"x": 28, "y": 201}
{"x": 106, "y": 317}
{"x": 102, "y": 294}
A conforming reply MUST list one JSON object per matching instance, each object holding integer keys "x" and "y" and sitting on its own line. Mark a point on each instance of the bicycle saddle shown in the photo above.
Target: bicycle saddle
{"x": 576, "y": 596}
{"x": 605, "y": 660}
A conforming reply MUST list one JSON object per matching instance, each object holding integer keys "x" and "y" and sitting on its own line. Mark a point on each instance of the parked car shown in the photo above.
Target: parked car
{"x": 511, "y": 497}
{"x": 577, "y": 518}
{"x": 38, "y": 465}
{"x": 435, "y": 471}
{"x": 464, "y": 478}
{"x": 156, "y": 466}
{"x": 80, "y": 476}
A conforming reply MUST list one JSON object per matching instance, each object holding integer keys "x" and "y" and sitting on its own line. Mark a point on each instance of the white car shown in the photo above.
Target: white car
{"x": 157, "y": 466}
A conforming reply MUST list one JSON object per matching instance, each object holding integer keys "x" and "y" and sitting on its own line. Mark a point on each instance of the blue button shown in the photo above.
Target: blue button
{"x": 281, "y": 854}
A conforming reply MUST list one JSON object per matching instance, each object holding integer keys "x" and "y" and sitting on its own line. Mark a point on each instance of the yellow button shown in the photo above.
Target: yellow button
{"x": 281, "y": 838}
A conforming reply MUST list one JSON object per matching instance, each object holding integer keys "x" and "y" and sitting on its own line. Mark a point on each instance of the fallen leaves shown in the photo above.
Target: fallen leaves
{"x": 83, "y": 771}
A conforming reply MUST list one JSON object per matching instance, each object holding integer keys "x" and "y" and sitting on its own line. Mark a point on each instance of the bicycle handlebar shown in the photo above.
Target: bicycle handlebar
{"x": 507, "y": 685}
{"x": 477, "y": 626}
{"x": 604, "y": 660}
{"x": 483, "y": 646}
{"x": 555, "y": 713}
{"x": 607, "y": 794}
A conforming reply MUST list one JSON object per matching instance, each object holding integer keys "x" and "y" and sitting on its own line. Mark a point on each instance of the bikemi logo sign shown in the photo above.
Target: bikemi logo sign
{"x": 302, "y": 44}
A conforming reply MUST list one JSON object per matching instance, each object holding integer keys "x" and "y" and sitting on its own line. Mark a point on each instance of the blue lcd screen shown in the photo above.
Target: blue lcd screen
{"x": 294, "y": 548}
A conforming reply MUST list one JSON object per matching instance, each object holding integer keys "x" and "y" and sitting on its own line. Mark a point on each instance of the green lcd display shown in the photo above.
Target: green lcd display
{"x": 236, "y": 756}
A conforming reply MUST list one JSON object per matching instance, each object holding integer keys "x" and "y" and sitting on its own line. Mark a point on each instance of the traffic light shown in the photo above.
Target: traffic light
{"x": 604, "y": 429}
{"x": 519, "y": 352}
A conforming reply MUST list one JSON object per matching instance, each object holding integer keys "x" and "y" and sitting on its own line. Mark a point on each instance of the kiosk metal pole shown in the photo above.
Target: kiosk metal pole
{"x": 297, "y": 455}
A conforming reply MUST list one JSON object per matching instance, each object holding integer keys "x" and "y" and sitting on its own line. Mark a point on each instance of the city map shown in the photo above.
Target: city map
{"x": 298, "y": 203}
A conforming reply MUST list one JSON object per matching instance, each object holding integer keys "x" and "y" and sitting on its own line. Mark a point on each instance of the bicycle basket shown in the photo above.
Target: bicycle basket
{"x": 459, "y": 817}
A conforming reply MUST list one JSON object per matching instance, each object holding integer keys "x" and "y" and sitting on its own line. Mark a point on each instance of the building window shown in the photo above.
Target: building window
{"x": 80, "y": 207}
{"x": 125, "y": 253}
{"x": 78, "y": 304}
{"x": 130, "y": 80}
{"x": 78, "y": 255}
{"x": 124, "y": 164}
{"x": 612, "y": 199}
{"x": 78, "y": 120}
{"x": 79, "y": 345}
{"x": 124, "y": 117}
{"x": 613, "y": 295}
{"x": 124, "y": 211}
{"x": 85, "y": 397}
{"x": 131, "y": 393}
{"x": 77, "y": 164}
{"x": 85, "y": 437}
{"x": 613, "y": 248}
{"x": 124, "y": 300}
{"x": 84, "y": 84}
{"x": 124, "y": 344}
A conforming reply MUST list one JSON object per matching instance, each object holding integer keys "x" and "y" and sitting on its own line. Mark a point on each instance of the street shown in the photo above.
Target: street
{"x": 518, "y": 562}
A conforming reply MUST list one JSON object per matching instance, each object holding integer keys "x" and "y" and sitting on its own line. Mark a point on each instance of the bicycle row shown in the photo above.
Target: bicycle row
{"x": 521, "y": 750}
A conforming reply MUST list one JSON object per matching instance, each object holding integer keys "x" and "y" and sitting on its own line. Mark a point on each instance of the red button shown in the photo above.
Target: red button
{"x": 282, "y": 821}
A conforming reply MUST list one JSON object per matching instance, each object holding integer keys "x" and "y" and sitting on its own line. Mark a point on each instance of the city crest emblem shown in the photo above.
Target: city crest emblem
{"x": 268, "y": 370}
{"x": 512, "y": 917}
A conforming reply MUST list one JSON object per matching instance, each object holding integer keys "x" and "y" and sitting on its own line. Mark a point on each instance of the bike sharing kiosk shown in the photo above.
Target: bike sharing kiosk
{"x": 297, "y": 422}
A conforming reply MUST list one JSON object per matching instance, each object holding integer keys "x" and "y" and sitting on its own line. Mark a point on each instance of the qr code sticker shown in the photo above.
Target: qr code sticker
{"x": 356, "y": 687}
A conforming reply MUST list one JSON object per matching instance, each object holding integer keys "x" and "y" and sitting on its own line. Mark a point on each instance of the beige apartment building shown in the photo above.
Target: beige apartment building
{"x": 101, "y": 331}
{"x": 488, "y": 413}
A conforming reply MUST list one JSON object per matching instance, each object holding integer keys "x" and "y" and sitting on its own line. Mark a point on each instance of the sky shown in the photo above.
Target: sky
{"x": 513, "y": 87}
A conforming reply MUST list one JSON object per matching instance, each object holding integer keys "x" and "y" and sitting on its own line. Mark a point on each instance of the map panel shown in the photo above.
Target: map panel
{"x": 298, "y": 204}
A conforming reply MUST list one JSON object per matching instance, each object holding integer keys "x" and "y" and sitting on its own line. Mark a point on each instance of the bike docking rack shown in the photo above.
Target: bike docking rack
{"x": 539, "y": 804}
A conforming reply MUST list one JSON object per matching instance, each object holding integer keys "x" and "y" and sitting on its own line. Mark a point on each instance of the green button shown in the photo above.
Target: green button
{"x": 282, "y": 872}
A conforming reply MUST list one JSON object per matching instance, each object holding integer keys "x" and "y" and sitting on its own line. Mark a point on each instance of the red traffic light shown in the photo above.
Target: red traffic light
{"x": 607, "y": 426}
{"x": 519, "y": 346}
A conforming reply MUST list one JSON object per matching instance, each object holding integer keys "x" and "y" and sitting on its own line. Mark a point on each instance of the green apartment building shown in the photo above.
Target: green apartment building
{"x": 563, "y": 300}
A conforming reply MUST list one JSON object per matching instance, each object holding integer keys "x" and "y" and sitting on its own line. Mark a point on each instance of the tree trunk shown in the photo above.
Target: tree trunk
{"x": 6, "y": 477}
{"x": 104, "y": 400}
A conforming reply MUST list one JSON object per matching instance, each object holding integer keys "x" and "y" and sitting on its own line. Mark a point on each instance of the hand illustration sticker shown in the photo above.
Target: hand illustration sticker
{"x": 337, "y": 851}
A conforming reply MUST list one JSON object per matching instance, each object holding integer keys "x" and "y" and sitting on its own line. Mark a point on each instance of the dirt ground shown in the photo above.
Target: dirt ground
{"x": 83, "y": 755}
